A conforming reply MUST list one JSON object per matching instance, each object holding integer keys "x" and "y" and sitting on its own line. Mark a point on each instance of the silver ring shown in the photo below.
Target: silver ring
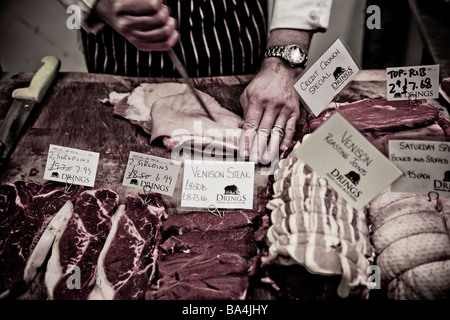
{"x": 279, "y": 129}
{"x": 263, "y": 131}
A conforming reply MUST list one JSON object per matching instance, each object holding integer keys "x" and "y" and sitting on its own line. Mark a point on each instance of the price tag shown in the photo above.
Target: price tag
{"x": 72, "y": 166}
{"x": 159, "y": 175}
{"x": 348, "y": 161}
{"x": 425, "y": 166}
{"x": 411, "y": 83}
{"x": 219, "y": 184}
{"x": 327, "y": 77}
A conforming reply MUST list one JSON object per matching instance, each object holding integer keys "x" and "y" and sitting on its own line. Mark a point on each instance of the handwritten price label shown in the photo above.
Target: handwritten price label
{"x": 227, "y": 185}
{"x": 72, "y": 166}
{"x": 155, "y": 174}
{"x": 425, "y": 166}
{"x": 411, "y": 83}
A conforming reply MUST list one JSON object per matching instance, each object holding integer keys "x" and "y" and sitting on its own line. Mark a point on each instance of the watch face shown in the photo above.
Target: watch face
{"x": 295, "y": 55}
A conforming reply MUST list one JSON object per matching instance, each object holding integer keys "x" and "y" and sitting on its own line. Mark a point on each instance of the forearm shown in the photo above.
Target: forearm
{"x": 279, "y": 37}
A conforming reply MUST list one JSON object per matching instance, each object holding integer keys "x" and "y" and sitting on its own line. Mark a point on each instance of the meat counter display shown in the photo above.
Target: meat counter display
{"x": 300, "y": 241}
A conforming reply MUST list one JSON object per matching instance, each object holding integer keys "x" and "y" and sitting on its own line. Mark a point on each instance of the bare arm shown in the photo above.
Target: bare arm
{"x": 271, "y": 99}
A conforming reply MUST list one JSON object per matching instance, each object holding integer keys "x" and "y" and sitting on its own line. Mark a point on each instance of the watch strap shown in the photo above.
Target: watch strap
{"x": 276, "y": 51}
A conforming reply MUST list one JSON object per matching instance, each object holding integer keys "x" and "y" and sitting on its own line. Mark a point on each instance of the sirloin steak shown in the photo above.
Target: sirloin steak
{"x": 127, "y": 261}
{"x": 72, "y": 266}
{"x": 22, "y": 252}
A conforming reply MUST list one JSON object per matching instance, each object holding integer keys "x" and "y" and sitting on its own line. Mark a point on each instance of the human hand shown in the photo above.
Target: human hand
{"x": 271, "y": 111}
{"x": 147, "y": 24}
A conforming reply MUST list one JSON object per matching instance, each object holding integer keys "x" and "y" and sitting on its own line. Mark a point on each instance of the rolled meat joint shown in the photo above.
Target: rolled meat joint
{"x": 411, "y": 237}
{"x": 314, "y": 227}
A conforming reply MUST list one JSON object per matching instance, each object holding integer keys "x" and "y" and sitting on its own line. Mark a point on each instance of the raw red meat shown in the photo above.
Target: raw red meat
{"x": 205, "y": 257}
{"x": 75, "y": 252}
{"x": 380, "y": 120}
{"x": 22, "y": 250}
{"x": 127, "y": 262}
{"x": 381, "y": 115}
{"x": 14, "y": 198}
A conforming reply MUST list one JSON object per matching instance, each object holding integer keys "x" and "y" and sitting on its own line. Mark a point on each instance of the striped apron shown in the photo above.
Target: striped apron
{"x": 218, "y": 38}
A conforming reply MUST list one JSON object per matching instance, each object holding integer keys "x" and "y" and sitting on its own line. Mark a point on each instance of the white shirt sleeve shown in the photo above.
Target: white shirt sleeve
{"x": 300, "y": 14}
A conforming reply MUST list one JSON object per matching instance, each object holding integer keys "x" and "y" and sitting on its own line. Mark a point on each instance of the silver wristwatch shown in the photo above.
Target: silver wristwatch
{"x": 293, "y": 54}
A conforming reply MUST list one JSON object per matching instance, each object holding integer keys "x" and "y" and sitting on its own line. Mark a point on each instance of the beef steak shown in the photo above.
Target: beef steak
{"x": 72, "y": 267}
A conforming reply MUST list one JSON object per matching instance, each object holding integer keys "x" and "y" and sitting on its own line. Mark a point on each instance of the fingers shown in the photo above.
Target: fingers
{"x": 137, "y": 7}
{"x": 147, "y": 24}
{"x": 273, "y": 147}
{"x": 259, "y": 141}
{"x": 249, "y": 128}
{"x": 156, "y": 40}
{"x": 262, "y": 143}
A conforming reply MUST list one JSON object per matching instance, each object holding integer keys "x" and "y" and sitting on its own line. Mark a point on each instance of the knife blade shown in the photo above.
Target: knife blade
{"x": 182, "y": 71}
{"x": 25, "y": 100}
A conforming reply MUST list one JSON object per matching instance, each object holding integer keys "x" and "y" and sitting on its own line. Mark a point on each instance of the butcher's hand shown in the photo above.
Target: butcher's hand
{"x": 271, "y": 110}
{"x": 147, "y": 24}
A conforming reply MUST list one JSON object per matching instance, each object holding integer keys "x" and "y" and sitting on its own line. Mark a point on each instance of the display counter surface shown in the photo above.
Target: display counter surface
{"x": 72, "y": 115}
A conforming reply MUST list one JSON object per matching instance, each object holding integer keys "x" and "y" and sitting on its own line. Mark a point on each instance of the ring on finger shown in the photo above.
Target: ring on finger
{"x": 250, "y": 126}
{"x": 278, "y": 129}
{"x": 263, "y": 131}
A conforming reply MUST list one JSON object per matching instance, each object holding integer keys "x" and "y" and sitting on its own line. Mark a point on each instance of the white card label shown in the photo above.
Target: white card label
{"x": 348, "y": 161}
{"x": 425, "y": 164}
{"x": 411, "y": 83}
{"x": 151, "y": 174}
{"x": 226, "y": 185}
{"x": 327, "y": 77}
{"x": 72, "y": 166}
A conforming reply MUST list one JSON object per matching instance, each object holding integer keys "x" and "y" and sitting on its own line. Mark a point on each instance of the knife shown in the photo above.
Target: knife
{"x": 25, "y": 100}
{"x": 182, "y": 71}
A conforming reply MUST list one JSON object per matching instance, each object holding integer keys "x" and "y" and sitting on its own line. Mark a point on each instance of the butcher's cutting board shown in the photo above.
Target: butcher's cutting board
{"x": 72, "y": 115}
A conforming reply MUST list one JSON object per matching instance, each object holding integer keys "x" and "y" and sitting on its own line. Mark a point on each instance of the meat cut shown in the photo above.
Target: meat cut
{"x": 411, "y": 236}
{"x": 312, "y": 226}
{"x": 380, "y": 120}
{"x": 26, "y": 219}
{"x": 72, "y": 267}
{"x": 205, "y": 257}
{"x": 173, "y": 117}
{"x": 127, "y": 262}
{"x": 136, "y": 106}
